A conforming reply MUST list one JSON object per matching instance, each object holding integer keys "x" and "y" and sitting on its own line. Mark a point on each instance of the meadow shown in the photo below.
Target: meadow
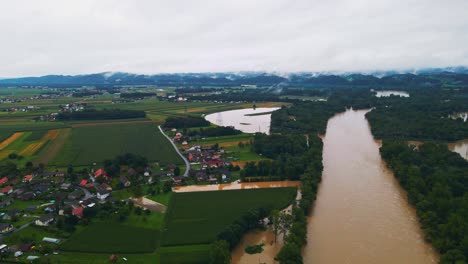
{"x": 197, "y": 217}
{"x": 112, "y": 238}
{"x": 94, "y": 144}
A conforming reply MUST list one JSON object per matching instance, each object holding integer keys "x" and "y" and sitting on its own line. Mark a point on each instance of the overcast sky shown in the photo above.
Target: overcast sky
{"x": 148, "y": 36}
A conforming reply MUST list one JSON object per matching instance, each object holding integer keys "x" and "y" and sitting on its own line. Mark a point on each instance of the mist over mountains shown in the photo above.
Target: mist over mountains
{"x": 431, "y": 77}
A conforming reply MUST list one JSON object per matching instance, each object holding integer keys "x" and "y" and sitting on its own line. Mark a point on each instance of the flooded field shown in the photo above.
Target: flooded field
{"x": 246, "y": 120}
{"x": 361, "y": 214}
{"x": 235, "y": 186}
{"x": 461, "y": 147}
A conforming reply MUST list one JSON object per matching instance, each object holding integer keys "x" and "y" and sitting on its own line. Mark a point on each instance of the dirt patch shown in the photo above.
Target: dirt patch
{"x": 49, "y": 153}
{"x": 149, "y": 204}
{"x": 111, "y": 123}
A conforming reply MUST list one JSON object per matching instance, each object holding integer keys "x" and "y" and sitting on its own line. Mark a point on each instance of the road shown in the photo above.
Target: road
{"x": 187, "y": 163}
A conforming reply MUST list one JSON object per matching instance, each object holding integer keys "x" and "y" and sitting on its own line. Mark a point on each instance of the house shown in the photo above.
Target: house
{"x": 105, "y": 186}
{"x": 65, "y": 186}
{"x": 51, "y": 240}
{"x": 25, "y": 247}
{"x": 11, "y": 214}
{"x": 101, "y": 173}
{"x": 46, "y": 175}
{"x": 6, "y": 202}
{"x": 178, "y": 180}
{"x": 125, "y": 182}
{"x": 6, "y": 190}
{"x": 83, "y": 183}
{"x": 45, "y": 220}
{"x": 76, "y": 194}
{"x": 27, "y": 178}
{"x": 213, "y": 163}
{"x": 5, "y": 228}
{"x": 78, "y": 212}
{"x": 27, "y": 196}
{"x": 103, "y": 194}
{"x": 3, "y": 180}
{"x": 132, "y": 172}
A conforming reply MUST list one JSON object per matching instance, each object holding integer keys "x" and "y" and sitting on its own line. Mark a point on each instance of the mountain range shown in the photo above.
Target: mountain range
{"x": 457, "y": 76}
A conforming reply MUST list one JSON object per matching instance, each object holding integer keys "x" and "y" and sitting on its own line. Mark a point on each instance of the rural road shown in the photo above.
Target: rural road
{"x": 187, "y": 163}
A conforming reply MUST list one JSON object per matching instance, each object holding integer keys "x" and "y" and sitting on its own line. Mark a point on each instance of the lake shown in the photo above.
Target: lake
{"x": 246, "y": 120}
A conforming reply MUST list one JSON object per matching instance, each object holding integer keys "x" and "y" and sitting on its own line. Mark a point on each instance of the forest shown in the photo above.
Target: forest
{"x": 436, "y": 181}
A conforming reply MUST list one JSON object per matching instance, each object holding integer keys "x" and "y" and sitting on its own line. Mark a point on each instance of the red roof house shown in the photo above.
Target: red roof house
{"x": 83, "y": 183}
{"x": 78, "y": 212}
{"x": 6, "y": 190}
{"x": 27, "y": 178}
{"x": 3, "y": 180}
{"x": 101, "y": 173}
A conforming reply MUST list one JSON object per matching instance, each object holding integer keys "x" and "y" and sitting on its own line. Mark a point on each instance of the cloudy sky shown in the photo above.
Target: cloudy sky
{"x": 148, "y": 36}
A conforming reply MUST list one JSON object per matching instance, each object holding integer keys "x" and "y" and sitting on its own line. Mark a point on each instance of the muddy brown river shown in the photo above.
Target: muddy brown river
{"x": 361, "y": 214}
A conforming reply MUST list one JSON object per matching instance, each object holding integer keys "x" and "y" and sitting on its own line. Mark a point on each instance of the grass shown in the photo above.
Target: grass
{"x": 162, "y": 198}
{"x": 185, "y": 254}
{"x": 30, "y": 233}
{"x": 197, "y": 217}
{"x": 112, "y": 238}
{"x": 36, "y": 135}
{"x": 96, "y": 258}
{"x": 90, "y": 144}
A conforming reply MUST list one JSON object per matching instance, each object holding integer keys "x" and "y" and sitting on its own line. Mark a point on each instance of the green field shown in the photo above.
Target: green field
{"x": 112, "y": 238}
{"x": 197, "y": 217}
{"x": 89, "y": 144}
{"x": 185, "y": 254}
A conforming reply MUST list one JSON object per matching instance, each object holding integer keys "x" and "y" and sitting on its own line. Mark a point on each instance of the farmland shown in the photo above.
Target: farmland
{"x": 197, "y": 217}
{"x": 112, "y": 238}
{"x": 89, "y": 144}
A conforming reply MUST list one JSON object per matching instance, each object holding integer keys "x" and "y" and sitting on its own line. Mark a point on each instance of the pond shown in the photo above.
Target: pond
{"x": 390, "y": 92}
{"x": 246, "y": 120}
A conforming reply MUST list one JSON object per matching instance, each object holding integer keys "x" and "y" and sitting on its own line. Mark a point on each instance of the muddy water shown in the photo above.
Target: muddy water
{"x": 461, "y": 147}
{"x": 235, "y": 186}
{"x": 361, "y": 214}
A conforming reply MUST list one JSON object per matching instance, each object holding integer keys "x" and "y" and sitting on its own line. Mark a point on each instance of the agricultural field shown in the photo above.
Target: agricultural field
{"x": 112, "y": 238}
{"x": 197, "y": 217}
{"x": 93, "y": 144}
{"x": 29, "y": 145}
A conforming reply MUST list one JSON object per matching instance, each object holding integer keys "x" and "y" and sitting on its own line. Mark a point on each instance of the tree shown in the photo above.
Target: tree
{"x": 167, "y": 187}
{"x": 219, "y": 252}
{"x": 177, "y": 171}
{"x": 275, "y": 218}
{"x": 137, "y": 191}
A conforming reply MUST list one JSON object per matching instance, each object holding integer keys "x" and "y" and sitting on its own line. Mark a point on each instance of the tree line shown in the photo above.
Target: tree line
{"x": 436, "y": 181}
{"x": 92, "y": 114}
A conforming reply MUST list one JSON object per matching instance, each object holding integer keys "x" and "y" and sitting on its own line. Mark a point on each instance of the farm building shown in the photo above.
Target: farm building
{"x": 5, "y": 228}
{"x": 45, "y": 220}
{"x": 27, "y": 178}
{"x": 3, "y": 180}
{"x": 6, "y": 190}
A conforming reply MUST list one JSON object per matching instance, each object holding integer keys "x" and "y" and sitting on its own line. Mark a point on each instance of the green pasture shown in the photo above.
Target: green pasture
{"x": 197, "y": 217}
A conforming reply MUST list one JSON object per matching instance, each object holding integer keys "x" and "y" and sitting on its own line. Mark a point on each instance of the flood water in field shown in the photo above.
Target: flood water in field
{"x": 361, "y": 215}
{"x": 246, "y": 120}
{"x": 388, "y": 93}
{"x": 235, "y": 186}
{"x": 461, "y": 147}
